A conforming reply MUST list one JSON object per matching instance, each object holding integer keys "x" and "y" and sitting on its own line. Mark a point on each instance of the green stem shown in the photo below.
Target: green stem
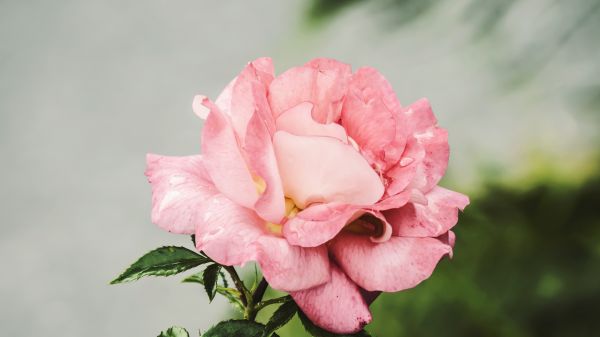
{"x": 245, "y": 295}
{"x": 272, "y": 301}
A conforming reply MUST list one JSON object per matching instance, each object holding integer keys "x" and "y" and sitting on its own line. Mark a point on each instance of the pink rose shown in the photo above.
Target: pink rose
{"x": 323, "y": 178}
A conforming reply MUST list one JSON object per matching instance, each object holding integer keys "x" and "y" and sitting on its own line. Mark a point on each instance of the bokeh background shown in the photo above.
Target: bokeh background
{"x": 87, "y": 88}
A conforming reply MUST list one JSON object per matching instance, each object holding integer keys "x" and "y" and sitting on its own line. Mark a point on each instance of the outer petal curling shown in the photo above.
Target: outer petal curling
{"x": 431, "y": 220}
{"x": 223, "y": 160}
{"x": 336, "y": 306}
{"x": 397, "y": 264}
{"x": 180, "y": 185}
{"x": 285, "y": 266}
{"x": 323, "y": 169}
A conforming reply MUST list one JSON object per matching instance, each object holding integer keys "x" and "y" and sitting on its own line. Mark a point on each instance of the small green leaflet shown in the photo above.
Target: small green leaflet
{"x": 280, "y": 317}
{"x": 237, "y": 328}
{"x": 231, "y": 294}
{"x": 164, "y": 261}
{"x": 174, "y": 332}
{"x": 209, "y": 278}
{"x": 318, "y": 332}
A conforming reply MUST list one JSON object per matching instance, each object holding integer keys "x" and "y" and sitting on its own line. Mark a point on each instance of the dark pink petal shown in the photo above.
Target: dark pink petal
{"x": 403, "y": 173}
{"x": 259, "y": 152}
{"x": 420, "y": 116}
{"x": 224, "y": 161}
{"x": 431, "y": 220}
{"x": 318, "y": 224}
{"x": 227, "y": 232}
{"x": 321, "y": 82}
{"x": 299, "y": 121}
{"x": 179, "y": 186}
{"x": 372, "y": 116}
{"x": 323, "y": 169}
{"x": 336, "y": 306}
{"x": 433, "y": 166}
{"x": 292, "y": 268}
{"x": 397, "y": 264}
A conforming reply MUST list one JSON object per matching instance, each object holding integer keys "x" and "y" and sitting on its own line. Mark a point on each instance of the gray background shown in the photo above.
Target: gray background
{"x": 87, "y": 88}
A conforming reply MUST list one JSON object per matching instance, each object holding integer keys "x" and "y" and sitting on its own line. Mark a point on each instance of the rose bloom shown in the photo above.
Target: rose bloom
{"x": 321, "y": 177}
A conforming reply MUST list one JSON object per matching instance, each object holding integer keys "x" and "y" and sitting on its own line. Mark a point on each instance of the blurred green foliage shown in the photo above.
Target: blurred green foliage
{"x": 526, "y": 263}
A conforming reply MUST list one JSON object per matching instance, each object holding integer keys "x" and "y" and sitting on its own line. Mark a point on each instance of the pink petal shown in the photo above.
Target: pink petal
{"x": 247, "y": 94}
{"x": 431, "y": 220}
{"x": 336, "y": 306}
{"x": 397, "y": 264}
{"x": 292, "y": 268}
{"x": 420, "y": 116}
{"x": 227, "y": 232}
{"x": 433, "y": 166}
{"x": 322, "y": 82}
{"x": 371, "y": 116}
{"x": 179, "y": 186}
{"x": 261, "y": 158}
{"x": 299, "y": 121}
{"x": 403, "y": 173}
{"x": 323, "y": 169}
{"x": 318, "y": 224}
{"x": 224, "y": 161}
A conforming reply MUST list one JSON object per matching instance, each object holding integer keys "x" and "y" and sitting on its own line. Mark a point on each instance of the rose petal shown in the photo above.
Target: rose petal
{"x": 397, "y": 264}
{"x": 261, "y": 158}
{"x": 403, "y": 173}
{"x": 420, "y": 116}
{"x": 247, "y": 94}
{"x": 336, "y": 306}
{"x": 318, "y": 224}
{"x": 431, "y": 220}
{"x": 371, "y": 116}
{"x": 179, "y": 186}
{"x": 292, "y": 268}
{"x": 322, "y": 82}
{"x": 298, "y": 121}
{"x": 228, "y": 233}
{"x": 224, "y": 161}
{"x": 323, "y": 169}
{"x": 433, "y": 166}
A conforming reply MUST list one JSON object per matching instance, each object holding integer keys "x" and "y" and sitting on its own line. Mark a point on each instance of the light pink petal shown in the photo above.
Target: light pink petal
{"x": 179, "y": 186}
{"x": 394, "y": 201}
{"x": 322, "y": 82}
{"x": 247, "y": 94}
{"x": 371, "y": 116}
{"x": 223, "y": 160}
{"x": 292, "y": 268}
{"x": 259, "y": 151}
{"x": 397, "y": 264}
{"x": 323, "y": 169}
{"x": 318, "y": 224}
{"x": 198, "y": 107}
{"x": 433, "y": 166}
{"x": 227, "y": 232}
{"x": 299, "y": 121}
{"x": 336, "y": 306}
{"x": 431, "y": 220}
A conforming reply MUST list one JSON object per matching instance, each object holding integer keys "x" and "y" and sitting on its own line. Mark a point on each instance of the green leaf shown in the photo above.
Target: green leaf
{"x": 319, "y": 332}
{"x": 174, "y": 332}
{"x": 164, "y": 261}
{"x": 233, "y": 295}
{"x": 237, "y": 328}
{"x": 280, "y": 317}
{"x": 209, "y": 279}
